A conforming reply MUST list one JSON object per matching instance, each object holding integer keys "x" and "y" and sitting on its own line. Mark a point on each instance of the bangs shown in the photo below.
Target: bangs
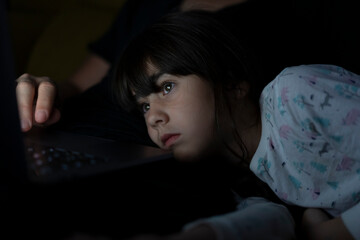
{"x": 138, "y": 74}
{"x": 133, "y": 78}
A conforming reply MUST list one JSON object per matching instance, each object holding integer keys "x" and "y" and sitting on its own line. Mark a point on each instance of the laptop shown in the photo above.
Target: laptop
{"x": 46, "y": 157}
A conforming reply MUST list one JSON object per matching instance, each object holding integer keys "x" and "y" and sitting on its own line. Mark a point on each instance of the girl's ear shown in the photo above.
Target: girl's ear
{"x": 239, "y": 90}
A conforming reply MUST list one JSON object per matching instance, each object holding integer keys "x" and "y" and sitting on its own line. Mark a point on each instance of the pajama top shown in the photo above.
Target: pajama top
{"x": 309, "y": 152}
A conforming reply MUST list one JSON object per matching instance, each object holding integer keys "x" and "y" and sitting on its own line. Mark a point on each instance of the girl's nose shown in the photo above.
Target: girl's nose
{"x": 156, "y": 116}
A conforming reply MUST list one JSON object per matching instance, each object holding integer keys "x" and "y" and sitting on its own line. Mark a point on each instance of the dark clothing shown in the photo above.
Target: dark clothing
{"x": 132, "y": 19}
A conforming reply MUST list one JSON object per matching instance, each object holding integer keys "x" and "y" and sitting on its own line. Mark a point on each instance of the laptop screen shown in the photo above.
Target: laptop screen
{"x": 12, "y": 164}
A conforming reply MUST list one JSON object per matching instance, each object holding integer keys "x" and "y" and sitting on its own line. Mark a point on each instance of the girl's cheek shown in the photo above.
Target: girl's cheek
{"x": 153, "y": 137}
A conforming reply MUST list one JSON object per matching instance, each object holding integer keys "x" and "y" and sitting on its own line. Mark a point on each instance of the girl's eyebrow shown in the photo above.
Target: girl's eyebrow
{"x": 152, "y": 79}
{"x": 155, "y": 77}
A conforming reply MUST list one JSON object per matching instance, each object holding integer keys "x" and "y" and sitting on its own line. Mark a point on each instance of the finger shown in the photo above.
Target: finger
{"x": 45, "y": 100}
{"x": 25, "y": 93}
{"x": 54, "y": 118}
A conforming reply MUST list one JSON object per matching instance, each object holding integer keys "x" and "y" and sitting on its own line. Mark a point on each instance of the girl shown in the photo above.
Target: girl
{"x": 201, "y": 96}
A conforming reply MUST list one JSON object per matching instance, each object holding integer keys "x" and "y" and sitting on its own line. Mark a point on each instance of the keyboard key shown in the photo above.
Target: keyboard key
{"x": 48, "y": 159}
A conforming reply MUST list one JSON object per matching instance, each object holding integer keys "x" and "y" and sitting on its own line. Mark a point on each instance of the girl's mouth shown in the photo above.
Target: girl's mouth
{"x": 169, "y": 139}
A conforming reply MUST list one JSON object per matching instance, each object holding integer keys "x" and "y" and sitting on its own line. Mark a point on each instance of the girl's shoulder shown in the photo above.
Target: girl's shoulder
{"x": 315, "y": 77}
{"x": 306, "y": 86}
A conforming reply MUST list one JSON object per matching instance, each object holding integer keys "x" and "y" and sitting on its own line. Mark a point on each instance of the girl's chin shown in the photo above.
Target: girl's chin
{"x": 183, "y": 156}
{"x": 188, "y": 156}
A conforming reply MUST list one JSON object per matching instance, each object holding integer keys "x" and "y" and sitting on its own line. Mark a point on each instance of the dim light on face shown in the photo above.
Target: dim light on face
{"x": 180, "y": 117}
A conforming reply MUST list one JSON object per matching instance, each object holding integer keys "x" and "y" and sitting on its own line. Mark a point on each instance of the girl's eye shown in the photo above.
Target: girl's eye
{"x": 167, "y": 87}
{"x": 145, "y": 107}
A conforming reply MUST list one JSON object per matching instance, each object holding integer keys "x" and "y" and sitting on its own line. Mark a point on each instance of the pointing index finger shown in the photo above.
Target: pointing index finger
{"x": 45, "y": 99}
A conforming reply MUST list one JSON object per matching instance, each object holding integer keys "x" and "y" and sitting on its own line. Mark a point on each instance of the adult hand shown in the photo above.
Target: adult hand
{"x": 36, "y": 97}
{"x": 318, "y": 225}
{"x": 313, "y": 217}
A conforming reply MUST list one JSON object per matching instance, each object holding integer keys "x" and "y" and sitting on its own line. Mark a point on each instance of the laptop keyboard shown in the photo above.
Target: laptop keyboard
{"x": 46, "y": 160}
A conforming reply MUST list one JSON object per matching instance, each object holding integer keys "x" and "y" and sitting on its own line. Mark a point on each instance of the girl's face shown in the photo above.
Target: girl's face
{"x": 180, "y": 117}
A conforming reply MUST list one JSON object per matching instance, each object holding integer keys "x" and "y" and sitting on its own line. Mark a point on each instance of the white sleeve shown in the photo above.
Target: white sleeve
{"x": 255, "y": 218}
{"x": 351, "y": 220}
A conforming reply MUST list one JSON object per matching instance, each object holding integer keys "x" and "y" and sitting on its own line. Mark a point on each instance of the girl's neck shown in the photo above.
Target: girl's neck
{"x": 251, "y": 138}
{"x": 248, "y": 123}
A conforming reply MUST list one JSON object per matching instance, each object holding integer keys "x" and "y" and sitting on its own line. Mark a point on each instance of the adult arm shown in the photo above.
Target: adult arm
{"x": 92, "y": 70}
{"x": 318, "y": 225}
